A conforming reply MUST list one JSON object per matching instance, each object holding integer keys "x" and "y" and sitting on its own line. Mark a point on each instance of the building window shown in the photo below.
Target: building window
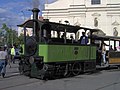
{"x": 95, "y": 1}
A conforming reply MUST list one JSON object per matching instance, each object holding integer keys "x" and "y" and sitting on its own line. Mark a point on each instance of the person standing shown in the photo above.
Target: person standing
{"x": 12, "y": 54}
{"x": 110, "y": 48}
{"x": 83, "y": 39}
{"x": 3, "y": 59}
{"x": 9, "y": 56}
{"x": 72, "y": 39}
{"x": 104, "y": 54}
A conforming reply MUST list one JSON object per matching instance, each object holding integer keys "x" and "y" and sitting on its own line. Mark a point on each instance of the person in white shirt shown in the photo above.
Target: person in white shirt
{"x": 3, "y": 57}
{"x": 104, "y": 54}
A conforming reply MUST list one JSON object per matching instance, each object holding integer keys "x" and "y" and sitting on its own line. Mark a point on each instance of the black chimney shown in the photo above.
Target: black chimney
{"x": 35, "y": 25}
{"x": 35, "y": 13}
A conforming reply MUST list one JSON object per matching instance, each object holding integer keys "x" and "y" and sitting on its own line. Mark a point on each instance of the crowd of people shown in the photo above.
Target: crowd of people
{"x": 7, "y": 56}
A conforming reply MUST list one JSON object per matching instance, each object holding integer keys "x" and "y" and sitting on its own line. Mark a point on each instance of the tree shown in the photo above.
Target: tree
{"x": 10, "y": 35}
{"x": 8, "y": 32}
{"x": 21, "y": 38}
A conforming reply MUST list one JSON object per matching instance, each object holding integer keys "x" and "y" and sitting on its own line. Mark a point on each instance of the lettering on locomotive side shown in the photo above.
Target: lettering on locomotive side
{"x": 76, "y": 50}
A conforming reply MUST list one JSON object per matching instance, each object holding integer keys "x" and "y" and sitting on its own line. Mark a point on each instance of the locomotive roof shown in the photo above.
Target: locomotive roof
{"x": 106, "y": 38}
{"x": 57, "y": 26}
{"x": 68, "y": 28}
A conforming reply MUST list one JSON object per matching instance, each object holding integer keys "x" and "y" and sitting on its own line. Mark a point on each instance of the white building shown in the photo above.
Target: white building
{"x": 28, "y": 30}
{"x": 102, "y": 14}
{"x": 21, "y": 31}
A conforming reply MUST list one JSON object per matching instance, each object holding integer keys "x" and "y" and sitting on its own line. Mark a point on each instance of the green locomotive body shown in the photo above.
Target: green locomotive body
{"x": 67, "y": 53}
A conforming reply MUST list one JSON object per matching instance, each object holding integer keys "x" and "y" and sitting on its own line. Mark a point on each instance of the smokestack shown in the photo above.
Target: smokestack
{"x": 35, "y": 13}
{"x": 35, "y": 26}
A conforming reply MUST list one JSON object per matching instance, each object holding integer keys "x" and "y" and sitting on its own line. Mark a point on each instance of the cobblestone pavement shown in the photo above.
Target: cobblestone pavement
{"x": 101, "y": 80}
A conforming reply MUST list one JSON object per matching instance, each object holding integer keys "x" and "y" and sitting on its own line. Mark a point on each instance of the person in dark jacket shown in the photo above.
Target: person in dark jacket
{"x": 83, "y": 39}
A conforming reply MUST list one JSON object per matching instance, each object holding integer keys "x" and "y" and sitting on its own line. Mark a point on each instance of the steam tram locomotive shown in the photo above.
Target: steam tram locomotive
{"x": 45, "y": 56}
{"x": 48, "y": 57}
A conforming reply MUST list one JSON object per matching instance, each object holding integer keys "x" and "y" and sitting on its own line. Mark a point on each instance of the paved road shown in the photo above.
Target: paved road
{"x": 102, "y": 80}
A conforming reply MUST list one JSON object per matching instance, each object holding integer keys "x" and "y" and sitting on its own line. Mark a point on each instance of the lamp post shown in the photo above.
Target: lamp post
{"x": 23, "y": 14}
{"x": 10, "y": 35}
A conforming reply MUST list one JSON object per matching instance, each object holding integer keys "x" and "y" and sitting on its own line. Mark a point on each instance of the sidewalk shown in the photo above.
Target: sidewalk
{"x": 13, "y": 70}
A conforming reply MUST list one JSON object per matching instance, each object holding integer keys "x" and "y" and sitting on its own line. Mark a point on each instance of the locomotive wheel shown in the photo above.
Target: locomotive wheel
{"x": 26, "y": 67}
{"x": 67, "y": 72}
{"x": 76, "y": 69}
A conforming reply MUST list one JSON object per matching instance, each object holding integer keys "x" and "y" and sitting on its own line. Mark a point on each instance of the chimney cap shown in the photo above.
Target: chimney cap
{"x": 35, "y": 10}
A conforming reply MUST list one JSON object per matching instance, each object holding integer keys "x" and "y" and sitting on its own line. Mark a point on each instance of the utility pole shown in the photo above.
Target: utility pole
{"x": 23, "y": 14}
{"x": 10, "y": 32}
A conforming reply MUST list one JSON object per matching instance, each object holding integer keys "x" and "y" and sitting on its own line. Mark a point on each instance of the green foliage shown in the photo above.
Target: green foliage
{"x": 10, "y": 36}
{"x": 21, "y": 38}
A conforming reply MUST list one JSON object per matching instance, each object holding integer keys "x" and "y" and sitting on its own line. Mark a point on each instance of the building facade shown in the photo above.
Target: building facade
{"x": 101, "y": 14}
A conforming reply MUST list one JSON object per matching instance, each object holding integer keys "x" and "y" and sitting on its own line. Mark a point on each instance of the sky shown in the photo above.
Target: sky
{"x": 14, "y": 12}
